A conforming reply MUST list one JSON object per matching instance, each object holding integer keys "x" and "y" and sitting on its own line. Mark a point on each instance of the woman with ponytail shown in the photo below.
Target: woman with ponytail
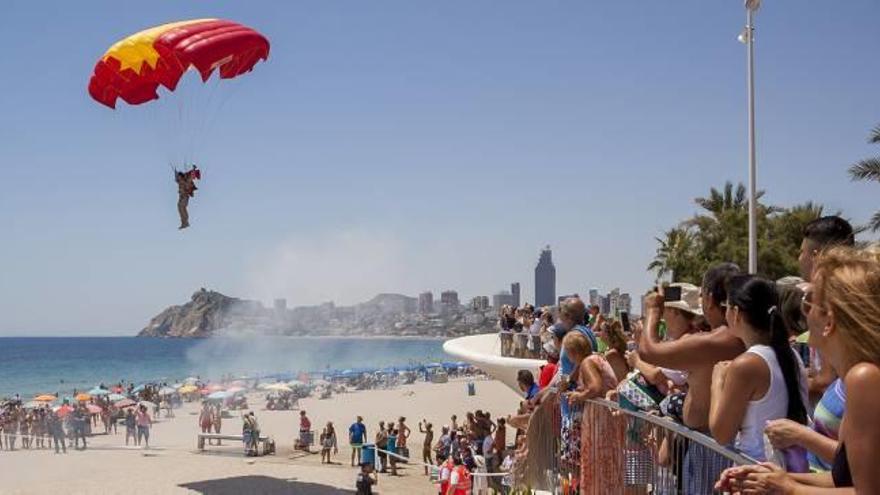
{"x": 766, "y": 382}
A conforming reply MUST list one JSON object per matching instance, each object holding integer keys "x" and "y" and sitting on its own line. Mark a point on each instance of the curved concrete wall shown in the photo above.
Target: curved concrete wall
{"x": 484, "y": 352}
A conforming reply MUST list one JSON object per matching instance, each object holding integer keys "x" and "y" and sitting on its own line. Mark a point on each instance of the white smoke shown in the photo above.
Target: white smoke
{"x": 346, "y": 267}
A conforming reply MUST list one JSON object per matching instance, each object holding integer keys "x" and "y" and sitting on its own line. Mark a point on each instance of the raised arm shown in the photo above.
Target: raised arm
{"x": 687, "y": 353}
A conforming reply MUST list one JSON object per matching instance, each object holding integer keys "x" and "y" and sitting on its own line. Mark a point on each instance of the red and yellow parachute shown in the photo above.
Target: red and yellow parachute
{"x": 133, "y": 68}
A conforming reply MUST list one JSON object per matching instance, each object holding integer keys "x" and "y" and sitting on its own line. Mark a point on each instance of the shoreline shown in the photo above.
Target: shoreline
{"x": 234, "y": 337}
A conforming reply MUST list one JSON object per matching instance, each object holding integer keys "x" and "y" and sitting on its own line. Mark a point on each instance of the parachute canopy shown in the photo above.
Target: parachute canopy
{"x": 133, "y": 68}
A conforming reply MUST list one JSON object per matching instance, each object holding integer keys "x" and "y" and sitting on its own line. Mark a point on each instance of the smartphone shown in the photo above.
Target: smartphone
{"x": 672, "y": 293}
{"x": 624, "y": 320}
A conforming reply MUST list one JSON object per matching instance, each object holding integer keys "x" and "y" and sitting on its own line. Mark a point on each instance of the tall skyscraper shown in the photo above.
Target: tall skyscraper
{"x": 426, "y": 303}
{"x": 614, "y": 304}
{"x": 514, "y": 291}
{"x": 449, "y": 298}
{"x": 624, "y": 303}
{"x": 545, "y": 279}
{"x": 594, "y": 297}
{"x": 502, "y": 298}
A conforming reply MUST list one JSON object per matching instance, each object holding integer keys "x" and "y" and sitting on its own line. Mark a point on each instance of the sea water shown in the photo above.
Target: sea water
{"x": 31, "y": 366}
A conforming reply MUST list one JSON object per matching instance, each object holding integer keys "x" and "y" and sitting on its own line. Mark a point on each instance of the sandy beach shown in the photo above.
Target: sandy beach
{"x": 173, "y": 465}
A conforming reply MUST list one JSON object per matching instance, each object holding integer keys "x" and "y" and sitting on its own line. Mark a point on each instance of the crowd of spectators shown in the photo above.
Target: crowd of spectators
{"x": 784, "y": 371}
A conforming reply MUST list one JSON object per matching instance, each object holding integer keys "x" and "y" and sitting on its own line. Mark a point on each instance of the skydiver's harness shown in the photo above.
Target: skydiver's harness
{"x": 193, "y": 174}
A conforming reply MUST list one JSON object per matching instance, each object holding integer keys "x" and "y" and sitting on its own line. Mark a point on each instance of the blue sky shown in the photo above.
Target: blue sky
{"x": 410, "y": 145}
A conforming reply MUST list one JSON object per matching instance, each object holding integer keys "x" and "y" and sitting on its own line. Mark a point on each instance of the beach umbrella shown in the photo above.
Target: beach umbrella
{"x": 33, "y": 404}
{"x": 265, "y": 386}
{"x": 214, "y": 387}
{"x": 167, "y": 391}
{"x": 147, "y": 404}
{"x": 138, "y": 388}
{"x": 45, "y": 398}
{"x": 62, "y": 411}
{"x": 125, "y": 402}
{"x": 98, "y": 391}
{"x": 116, "y": 397}
{"x": 191, "y": 380}
{"x": 83, "y": 397}
{"x": 279, "y": 387}
{"x": 295, "y": 383}
{"x": 93, "y": 409}
{"x": 218, "y": 395}
{"x": 187, "y": 389}
{"x": 234, "y": 390}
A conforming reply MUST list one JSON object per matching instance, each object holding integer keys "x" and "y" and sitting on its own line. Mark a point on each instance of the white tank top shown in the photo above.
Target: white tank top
{"x": 774, "y": 405}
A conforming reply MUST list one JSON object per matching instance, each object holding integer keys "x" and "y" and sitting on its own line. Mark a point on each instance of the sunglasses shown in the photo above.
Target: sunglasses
{"x": 807, "y": 303}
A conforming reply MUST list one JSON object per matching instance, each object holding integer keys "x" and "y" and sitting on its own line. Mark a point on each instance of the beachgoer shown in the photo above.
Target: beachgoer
{"x": 446, "y": 468}
{"x": 357, "y": 435}
{"x": 205, "y": 420}
{"x": 403, "y": 433}
{"x": 80, "y": 421}
{"x": 131, "y": 427}
{"x": 144, "y": 422}
{"x": 392, "y": 448}
{"x": 365, "y": 480}
{"x": 381, "y": 441}
{"x": 443, "y": 445}
{"x": 305, "y": 432}
{"x": 217, "y": 420}
{"x": 428, "y": 430}
{"x": 251, "y": 434}
{"x": 328, "y": 442}
{"x": 56, "y": 430}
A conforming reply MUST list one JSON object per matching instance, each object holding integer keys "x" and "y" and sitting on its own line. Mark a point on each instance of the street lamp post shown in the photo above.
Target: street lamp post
{"x": 748, "y": 37}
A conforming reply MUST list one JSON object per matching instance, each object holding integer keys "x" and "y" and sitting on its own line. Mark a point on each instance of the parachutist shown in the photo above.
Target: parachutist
{"x": 185, "y": 189}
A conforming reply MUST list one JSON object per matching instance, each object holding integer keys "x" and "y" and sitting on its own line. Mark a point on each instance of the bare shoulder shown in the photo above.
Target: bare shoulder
{"x": 749, "y": 365}
{"x": 863, "y": 377}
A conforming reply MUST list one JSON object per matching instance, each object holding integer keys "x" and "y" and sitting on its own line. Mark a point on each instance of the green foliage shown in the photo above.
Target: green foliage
{"x": 720, "y": 233}
{"x": 869, "y": 170}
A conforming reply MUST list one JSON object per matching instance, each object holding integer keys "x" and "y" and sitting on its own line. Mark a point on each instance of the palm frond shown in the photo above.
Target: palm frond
{"x": 874, "y": 224}
{"x": 874, "y": 138}
{"x": 868, "y": 169}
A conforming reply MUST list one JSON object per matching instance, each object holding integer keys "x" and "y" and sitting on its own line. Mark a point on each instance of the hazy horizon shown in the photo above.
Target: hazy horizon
{"x": 403, "y": 146}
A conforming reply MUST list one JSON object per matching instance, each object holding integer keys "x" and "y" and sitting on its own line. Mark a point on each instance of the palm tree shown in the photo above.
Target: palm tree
{"x": 674, "y": 252}
{"x": 869, "y": 170}
{"x": 719, "y": 201}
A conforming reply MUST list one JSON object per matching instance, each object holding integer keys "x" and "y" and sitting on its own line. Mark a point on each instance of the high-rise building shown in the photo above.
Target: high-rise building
{"x": 601, "y": 301}
{"x": 426, "y": 303}
{"x": 545, "y": 279}
{"x": 514, "y": 291}
{"x": 480, "y": 303}
{"x": 624, "y": 303}
{"x": 606, "y": 306}
{"x": 594, "y": 297}
{"x": 501, "y": 299}
{"x": 614, "y": 302}
{"x": 280, "y": 305}
{"x": 449, "y": 298}
{"x": 563, "y": 298}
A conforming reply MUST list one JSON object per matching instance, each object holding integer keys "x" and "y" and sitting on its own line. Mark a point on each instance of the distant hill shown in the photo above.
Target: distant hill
{"x": 210, "y": 313}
